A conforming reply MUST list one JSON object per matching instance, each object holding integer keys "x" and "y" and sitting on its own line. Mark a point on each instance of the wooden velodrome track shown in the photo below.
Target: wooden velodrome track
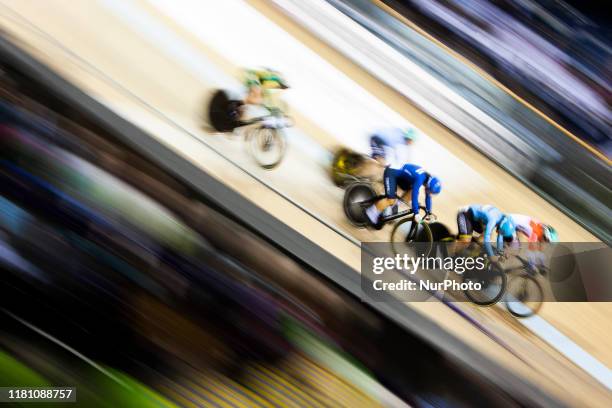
{"x": 136, "y": 76}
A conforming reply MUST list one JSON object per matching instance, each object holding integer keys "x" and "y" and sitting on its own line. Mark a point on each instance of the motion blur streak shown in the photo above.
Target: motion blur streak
{"x": 136, "y": 292}
{"x": 156, "y": 258}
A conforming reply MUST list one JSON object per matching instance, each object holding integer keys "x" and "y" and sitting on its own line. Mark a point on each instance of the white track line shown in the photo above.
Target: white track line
{"x": 569, "y": 349}
{"x": 68, "y": 348}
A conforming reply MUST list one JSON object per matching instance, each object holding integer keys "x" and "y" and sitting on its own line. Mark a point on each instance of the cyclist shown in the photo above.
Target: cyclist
{"x": 261, "y": 85}
{"x": 386, "y": 144}
{"x": 483, "y": 219}
{"x": 410, "y": 178}
{"x": 536, "y": 233}
{"x": 534, "y": 230}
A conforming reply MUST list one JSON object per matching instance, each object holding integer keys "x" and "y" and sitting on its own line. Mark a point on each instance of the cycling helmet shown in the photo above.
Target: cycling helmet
{"x": 549, "y": 234}
{"x": 433, "y": 185}
{"x": 273, "y": 79}
{"x": 409, "y": 134}
{"x": 266, "y": 78}
{"x": 506, "y": 227}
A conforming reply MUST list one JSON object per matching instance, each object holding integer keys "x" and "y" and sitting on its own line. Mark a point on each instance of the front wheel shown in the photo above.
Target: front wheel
{"x": 525, "y": 295}
{"x": 486, "y": 286}
{"x": 407, "y": 231}
{"x": 267, "y": 146}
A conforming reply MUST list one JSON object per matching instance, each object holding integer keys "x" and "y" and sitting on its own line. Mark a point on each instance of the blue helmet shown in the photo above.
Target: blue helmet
{"x": 506, "y": 227}
{"x": 433, "y": 185}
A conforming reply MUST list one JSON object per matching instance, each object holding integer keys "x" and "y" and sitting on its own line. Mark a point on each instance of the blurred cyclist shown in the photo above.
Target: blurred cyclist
{"x": 410, "y": 178}
{"x": 483, "y": 219}
{"x": 534, "y": 230}
{"x": 385, "y": 144}
{"x": 261, "y": 85}
{"x": 536, "y": 233}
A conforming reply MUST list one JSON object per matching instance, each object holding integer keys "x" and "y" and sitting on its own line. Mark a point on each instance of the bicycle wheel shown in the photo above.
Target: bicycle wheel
{"x": 524, "y": 295}
{"x": 339, "y": 167}
{"x": 223, "y": 112}
{"x": 267, "y": 146}
{"x": 492, "y": 281}
{"x": 354, "y": 196}
{"x": 344, "y": 166}
{"x": 407, "y": 231}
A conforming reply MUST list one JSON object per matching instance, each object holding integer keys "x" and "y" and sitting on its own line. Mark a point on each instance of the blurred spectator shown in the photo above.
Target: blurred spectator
{"x": 546, "y": 51}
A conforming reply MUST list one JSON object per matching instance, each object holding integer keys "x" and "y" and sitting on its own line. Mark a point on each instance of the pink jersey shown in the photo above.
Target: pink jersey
{"x": 527, "y": 226}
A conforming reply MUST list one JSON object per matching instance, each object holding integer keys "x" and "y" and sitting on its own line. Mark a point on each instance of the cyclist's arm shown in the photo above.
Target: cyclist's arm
{"x": 487, "y": 238}
{"x": 500, "y": 243}
{"x": 428, "y": 203}
{"x": 416, "y": 186}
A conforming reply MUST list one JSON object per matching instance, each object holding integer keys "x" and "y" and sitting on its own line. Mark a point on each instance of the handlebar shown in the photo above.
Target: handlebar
{"x": 422, "y": 208}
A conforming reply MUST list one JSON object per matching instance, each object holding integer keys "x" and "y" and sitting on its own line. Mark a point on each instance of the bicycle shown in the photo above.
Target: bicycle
{"x": 360, "y": 195}
{"x": 524, "y": 296}
{"x": 264, "y": 134}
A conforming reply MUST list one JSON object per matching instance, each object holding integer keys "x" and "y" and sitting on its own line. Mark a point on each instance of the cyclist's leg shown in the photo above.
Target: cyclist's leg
{"x": 465, "y": 228}
{"x": 407, "y": 194}
{"x": 465, "y": 225}
{"x": 390, "y": 183}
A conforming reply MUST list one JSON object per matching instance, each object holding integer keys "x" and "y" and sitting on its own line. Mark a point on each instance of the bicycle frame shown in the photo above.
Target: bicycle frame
{"x": 261, "y": 121}
{"x": 392, "y": 217}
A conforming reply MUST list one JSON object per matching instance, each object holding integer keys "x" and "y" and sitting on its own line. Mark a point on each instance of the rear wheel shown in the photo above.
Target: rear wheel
{"x": 345, "y": 164}
{"x": 354, "y": 196}
{"x": 524, "y": 296}
{"x": 223, "y": 112}
{"x": 267, "y": 145}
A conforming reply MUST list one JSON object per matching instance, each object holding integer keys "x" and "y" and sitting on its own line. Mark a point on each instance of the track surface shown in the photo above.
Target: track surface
{"x": 157, "y": 72}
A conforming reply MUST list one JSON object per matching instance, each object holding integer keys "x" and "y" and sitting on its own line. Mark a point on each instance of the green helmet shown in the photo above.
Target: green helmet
{"x": 410, "y": 134}
{"x": 549, "y": 233}
{"x": 265, "y": 78}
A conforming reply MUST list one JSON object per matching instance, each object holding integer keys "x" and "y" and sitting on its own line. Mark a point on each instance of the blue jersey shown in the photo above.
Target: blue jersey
{"x": 409, "y": 177}
{"x": 489, "y": 217}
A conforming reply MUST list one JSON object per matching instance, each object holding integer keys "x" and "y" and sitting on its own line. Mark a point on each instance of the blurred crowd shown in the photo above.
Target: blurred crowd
{"x": 547, "y": 51}
{"x": 119, "y": 279}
